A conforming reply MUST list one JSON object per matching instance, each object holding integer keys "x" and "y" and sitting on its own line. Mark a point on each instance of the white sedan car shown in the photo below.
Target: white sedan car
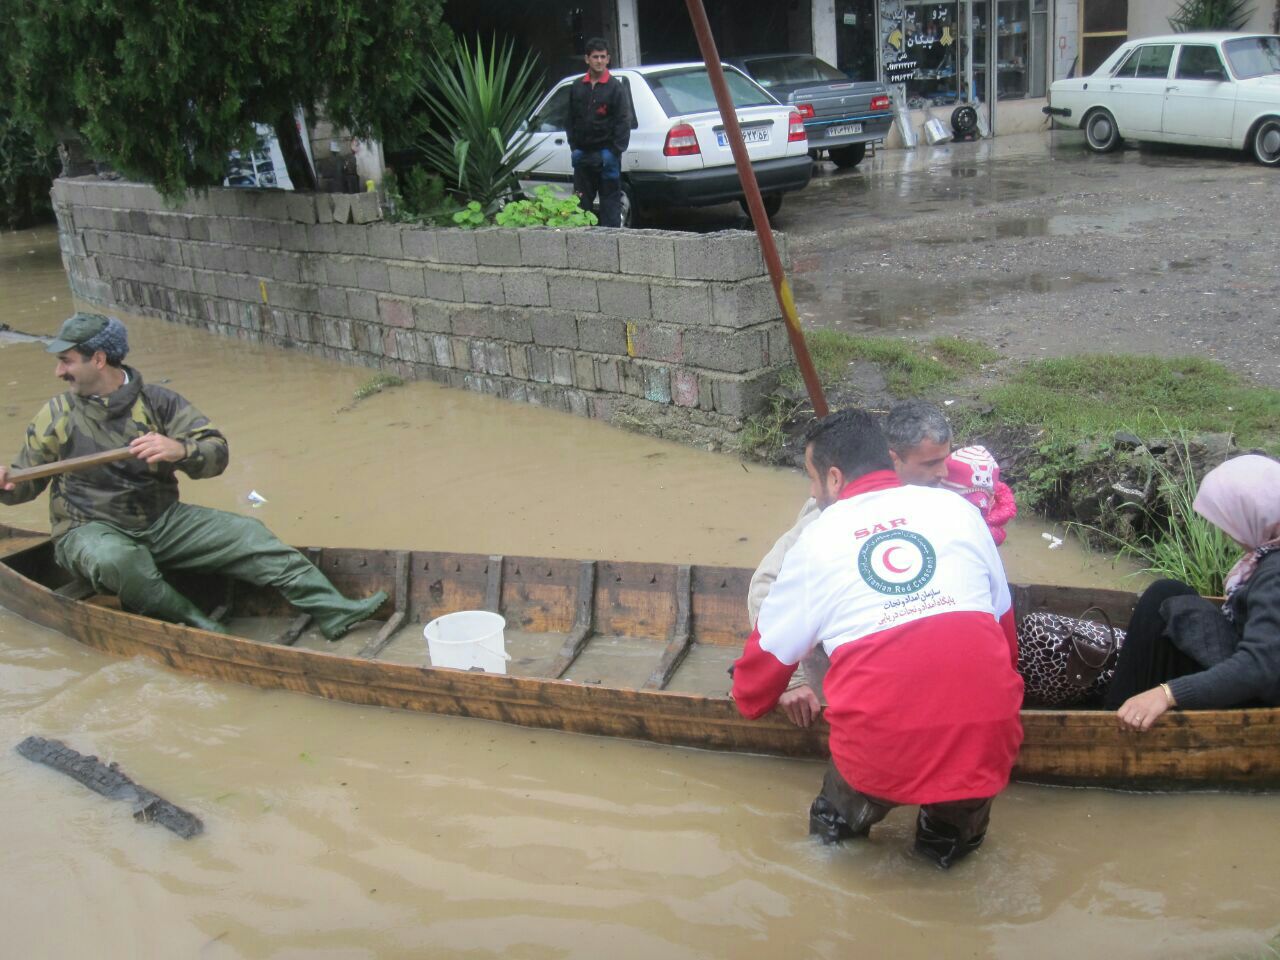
{"x": 1207, "y": 89}
{"x": 678, "y": 155}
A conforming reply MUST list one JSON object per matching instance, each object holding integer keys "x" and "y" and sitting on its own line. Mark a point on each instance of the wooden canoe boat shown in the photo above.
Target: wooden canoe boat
{"x": 618, "y": 649}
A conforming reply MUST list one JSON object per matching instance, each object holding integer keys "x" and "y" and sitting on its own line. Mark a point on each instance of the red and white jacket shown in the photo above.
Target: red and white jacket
{"x": 904, "y": 589}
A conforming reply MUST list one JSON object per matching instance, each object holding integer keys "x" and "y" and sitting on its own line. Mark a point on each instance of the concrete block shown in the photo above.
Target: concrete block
{"x": 228, "y": 286}
{"x": 573, "y": 291}
{"x": 285, "y": 266}
{"x": 407, "y": 281}
{"x": 681, "y": 303}
{"x": 443, "y": 283}
{"x": 584, "y": 371}
{"x": 514, "y": 325}
{"x": 602, "y": 408}
{"x": 743, "y": 396}
{"x": 323, "y": 237}
{"x": 479, "y": 359}
{"x": 632, "y": 378}
{"x": 324, "y": 207}
{"x": 472, "y": 322}
{"x": 390, "y": 347}
{"x": 684, "y": 388}
{"x": 384, "y": 239}
{"x": 515, "y": 392}
{"x": 302, "y": 207}
{"x": 496, "y": 361}
{"x": 353, "y": 239}
{"x": 362, "y": 305}
{"x": 396, "y": 313}
{"x": 646, "y": 253}
{"x": 726, "y": 255}
{"x": 441, "y": 350}
{"x": 198, "y": 229}
{"x": 419, "y": 243}
{"x": 554, "y": 329}
{"x": 266, "y": 233}
{"x": 594, "y": 248}
{"x": 138, "y": 223}
{"x": 628, "y": 299}
{"x": 457, "y": 246}
{"x": 579, "y": 405}
{"x": 602, "y": 335}
{"x": 312, "y": 269}
{"x": 206, "y": 283}
{"x": 562, "y": 368}
{"x": 340, "y": 207}
{"x": 341, "y": 272}
{"x": 372, "y": 275}
{"x": 525, "y": 288}
{"x": 408, "y": 346}
{"x": 540, "y": 364}
{"x": 293, "y": 236}
{"x": 608, "y": 375}
{"x": 367, "y": 337}
{"x": 365, "y": 208}
{"x": 657, "y": 384}
{"x": 744, "y": 304}
{"x": 736, "y": 351}
{"x": 656, "y": 342}
{"x": 482, "y": 286}
{"x": 431, "y": 317}
{"x": 498, "y": 247}
{"x": 543, "y": 247}
{"x": 518, "y": 360}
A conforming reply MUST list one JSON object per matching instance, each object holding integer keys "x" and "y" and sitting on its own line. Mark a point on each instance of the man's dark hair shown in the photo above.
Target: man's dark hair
{"x": 850, "y": 440}
{"x": 113, "y": 360}
{"x": 909, "y": 424}
{"x": 597, "y": 43}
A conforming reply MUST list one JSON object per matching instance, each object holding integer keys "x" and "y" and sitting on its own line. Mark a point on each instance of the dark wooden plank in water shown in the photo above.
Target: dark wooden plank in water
{"x": 582, "y": 623}
{"x": 681, "y": 635}
{"x": 107, "y": 780}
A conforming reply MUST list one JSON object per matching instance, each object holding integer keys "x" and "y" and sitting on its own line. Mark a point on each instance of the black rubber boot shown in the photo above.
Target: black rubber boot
{"x": 941, "y": 842}
{"x": 826, "y": 822}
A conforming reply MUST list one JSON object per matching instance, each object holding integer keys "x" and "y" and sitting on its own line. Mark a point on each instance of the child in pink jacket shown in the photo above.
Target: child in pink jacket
{"x": 974, "y": 474}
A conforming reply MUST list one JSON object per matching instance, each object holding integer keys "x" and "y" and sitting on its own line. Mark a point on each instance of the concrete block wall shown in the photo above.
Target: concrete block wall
{"x": 673, "y": 333}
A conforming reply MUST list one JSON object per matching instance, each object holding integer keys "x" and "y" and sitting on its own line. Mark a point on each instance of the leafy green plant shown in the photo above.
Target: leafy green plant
{"x": 470, "y": 217}
{"x": 417, "y": 196}
{"x": 376, "y": 384}
{"x": 764, "y": 434}
{"x": 545, "y": 209}
{"x": 477, "y": 102}
{"x": 1210, "y": 15}
{"x": 26, "y": 174}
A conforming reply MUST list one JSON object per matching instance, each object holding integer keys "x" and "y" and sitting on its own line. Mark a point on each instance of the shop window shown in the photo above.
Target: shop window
{"x": 1104, "y": 25}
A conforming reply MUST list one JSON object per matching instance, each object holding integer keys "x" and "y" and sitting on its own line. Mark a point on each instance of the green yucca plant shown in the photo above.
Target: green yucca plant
{"x": 477, "y": 101}
{"x": 1194, "y": 15}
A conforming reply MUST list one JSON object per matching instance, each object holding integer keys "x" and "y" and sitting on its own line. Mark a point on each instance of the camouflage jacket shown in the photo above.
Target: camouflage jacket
{"x": 128, "y": 494}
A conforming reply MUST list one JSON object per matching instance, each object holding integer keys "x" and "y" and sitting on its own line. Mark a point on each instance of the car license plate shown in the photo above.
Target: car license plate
{"x": 749, "y": 135}
{"x": 844, "y": 129}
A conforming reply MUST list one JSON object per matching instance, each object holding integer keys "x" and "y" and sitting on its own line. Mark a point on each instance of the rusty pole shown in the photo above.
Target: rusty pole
{"x": 733, "y": 132}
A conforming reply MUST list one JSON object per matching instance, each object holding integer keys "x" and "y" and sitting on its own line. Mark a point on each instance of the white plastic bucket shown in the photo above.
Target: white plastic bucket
{"x": 466, "y": 639}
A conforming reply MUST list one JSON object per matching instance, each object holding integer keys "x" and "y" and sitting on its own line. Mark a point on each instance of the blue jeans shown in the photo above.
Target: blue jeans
{"x": 599, "y": 171}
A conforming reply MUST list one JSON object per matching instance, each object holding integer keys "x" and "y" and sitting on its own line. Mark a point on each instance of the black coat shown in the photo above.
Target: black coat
{"x": 1241, "y": 656}
{"x": 599, "y": 116}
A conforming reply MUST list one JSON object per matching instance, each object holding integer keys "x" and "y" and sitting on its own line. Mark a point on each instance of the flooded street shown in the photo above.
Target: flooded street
{"x": 346, "y": 832}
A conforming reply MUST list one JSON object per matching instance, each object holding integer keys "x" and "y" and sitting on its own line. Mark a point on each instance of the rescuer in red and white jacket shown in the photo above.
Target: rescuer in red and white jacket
{"x": 903, "y": 588}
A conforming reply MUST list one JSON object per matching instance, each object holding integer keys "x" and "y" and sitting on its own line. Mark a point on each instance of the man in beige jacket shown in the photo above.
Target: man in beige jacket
{"x": 919, "y": 442}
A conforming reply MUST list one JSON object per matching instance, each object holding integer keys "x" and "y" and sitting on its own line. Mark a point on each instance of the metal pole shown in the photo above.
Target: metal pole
{"x": 733, "y": 132}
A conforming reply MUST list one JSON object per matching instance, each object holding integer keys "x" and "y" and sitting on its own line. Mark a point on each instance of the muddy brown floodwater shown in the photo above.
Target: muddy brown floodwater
{"x": 338, "y": 831}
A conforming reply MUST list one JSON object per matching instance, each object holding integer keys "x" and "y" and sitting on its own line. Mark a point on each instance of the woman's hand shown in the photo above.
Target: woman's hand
{"x": 1141, "y": 711}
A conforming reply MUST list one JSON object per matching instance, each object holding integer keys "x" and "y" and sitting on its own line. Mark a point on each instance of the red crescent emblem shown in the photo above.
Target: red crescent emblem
{"x": 889, "y": 566}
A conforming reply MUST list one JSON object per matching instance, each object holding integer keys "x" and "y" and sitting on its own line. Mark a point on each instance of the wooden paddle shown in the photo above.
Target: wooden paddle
{"x": 71, "y": 465}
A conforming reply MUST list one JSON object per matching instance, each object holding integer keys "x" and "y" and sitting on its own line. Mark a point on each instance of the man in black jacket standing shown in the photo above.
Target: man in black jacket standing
{"x": 598, "y": 130}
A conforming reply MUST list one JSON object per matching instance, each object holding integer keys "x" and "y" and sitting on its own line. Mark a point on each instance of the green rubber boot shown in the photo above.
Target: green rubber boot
{"x": 172, "y": 606}
{"x": 311, "y": 592}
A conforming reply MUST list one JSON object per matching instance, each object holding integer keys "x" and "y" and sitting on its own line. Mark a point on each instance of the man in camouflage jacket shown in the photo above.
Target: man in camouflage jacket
{"x": 119, "y": 525}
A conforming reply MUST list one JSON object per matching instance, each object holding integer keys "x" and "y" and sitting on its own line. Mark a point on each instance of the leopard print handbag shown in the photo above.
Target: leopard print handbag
{"x": 1066, "y": 661}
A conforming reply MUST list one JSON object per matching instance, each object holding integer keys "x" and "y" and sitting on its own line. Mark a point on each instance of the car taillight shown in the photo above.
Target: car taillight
{"x": 806, "y": 110}
{"x": 880, "y": 102}
{"x": 795, "y": 129}
{"x": 682, "y": 141}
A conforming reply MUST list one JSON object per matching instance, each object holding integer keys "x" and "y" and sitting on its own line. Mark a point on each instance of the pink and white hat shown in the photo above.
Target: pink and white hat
{"x": 972, "y": 470}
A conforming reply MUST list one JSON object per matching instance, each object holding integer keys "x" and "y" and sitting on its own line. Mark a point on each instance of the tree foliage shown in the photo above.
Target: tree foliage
{"x": 163, "y": 91}
{"x": 476, "y": 102}
{"x": 1193, "y": 15}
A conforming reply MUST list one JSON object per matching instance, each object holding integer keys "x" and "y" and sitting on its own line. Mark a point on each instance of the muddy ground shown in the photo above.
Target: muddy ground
{"x": 1033, "y": 245}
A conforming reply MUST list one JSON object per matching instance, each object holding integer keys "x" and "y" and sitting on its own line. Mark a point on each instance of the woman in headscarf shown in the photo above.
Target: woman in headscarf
{"x": 1183, "y": 651}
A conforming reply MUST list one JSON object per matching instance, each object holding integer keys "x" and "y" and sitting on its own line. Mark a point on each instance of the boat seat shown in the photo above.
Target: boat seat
{"x": 77, "y": 589}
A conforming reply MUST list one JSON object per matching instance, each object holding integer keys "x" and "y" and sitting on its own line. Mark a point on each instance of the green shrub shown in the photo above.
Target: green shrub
{"x": 545, "y": 209}
{"x": 417, "y": 196}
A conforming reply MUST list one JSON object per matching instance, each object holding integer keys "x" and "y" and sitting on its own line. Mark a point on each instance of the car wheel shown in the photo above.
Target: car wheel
{"x": 772, "y": 204}
{"x": 849, "y": 156}
{"x": 1266, "y": 142}
{"x": 632, "y": 215}
{"x": 1100, "y": 131}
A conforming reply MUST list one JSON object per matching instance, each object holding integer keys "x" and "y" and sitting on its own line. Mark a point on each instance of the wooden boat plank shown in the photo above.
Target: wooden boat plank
{"x": 681, "y": 634}
{"x": 720, "y": 605}
{"x": 583, "y": 621}
{"x": 400, "y": 601}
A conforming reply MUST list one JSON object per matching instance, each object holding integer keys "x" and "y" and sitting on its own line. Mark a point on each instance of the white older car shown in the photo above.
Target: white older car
{"x": 1207, "y": 89}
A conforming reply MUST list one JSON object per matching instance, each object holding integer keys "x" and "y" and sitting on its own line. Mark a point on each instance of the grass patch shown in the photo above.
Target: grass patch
{"x": 764, "y": 434}
{"x": 377, "y": 384}
{"x": 910, "y": 369}
{"x": 1094, "y": 396}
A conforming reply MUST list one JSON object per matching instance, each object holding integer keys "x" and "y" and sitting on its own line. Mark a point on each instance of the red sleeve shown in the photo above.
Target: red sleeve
{"x": 1004, "y": 508}
{"x": 1009, "y": 624}
{"x": 759, "y": 679}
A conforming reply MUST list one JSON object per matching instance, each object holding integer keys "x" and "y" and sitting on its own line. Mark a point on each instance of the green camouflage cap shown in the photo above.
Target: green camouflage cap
{"x": 75, "y": 330}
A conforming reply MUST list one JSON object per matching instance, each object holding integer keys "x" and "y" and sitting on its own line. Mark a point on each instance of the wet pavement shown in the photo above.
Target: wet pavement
{"x": 1035, "y": 246}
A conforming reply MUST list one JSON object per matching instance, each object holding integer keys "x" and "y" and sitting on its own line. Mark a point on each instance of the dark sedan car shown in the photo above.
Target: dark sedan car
{"x": 841, "y": 116}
